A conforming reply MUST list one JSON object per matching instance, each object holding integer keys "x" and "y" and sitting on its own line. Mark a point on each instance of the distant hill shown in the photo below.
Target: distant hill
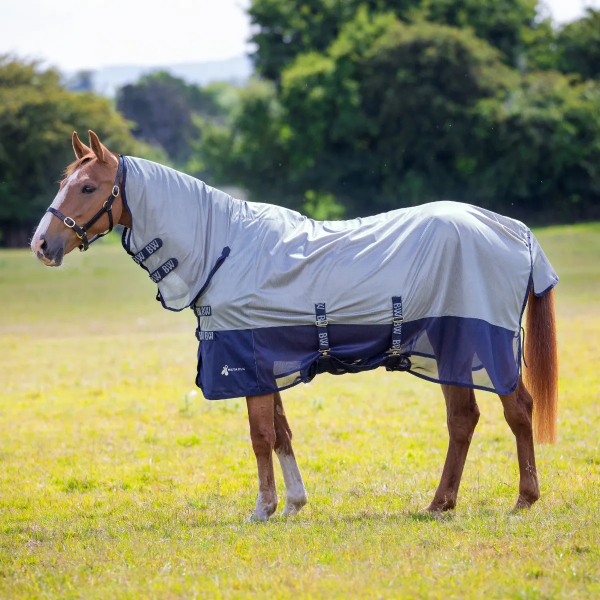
{"x": 234, "y": 70}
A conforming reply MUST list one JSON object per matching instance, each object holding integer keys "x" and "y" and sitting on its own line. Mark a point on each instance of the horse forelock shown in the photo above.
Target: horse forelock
{"x": 70, "y": 169}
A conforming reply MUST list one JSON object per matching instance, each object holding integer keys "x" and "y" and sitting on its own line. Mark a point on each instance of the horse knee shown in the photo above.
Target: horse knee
{"x": 263, "y": 439}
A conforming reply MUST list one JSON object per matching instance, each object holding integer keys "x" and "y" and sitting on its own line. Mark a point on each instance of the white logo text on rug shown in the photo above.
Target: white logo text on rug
{"x": 227, "y": 369}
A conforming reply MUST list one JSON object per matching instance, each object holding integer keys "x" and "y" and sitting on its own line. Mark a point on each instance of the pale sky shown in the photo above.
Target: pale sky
{"x": 79, "y": 34}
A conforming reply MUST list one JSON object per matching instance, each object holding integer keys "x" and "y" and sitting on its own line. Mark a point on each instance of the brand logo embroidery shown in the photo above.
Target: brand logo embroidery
{"x": 397, "y": 327}
{"x": 150, "y": 249}
{"x": 203, "y": 311}
{"x": 227, "y": 369}
{"x": 168, "y": 267}
{"x": 206, "y": 336}
{"x": 164, "y": 270}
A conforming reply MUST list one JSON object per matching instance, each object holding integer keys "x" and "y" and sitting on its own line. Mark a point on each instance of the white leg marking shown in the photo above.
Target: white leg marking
{"x": 263, "y": 509}
{"x": 296, "y": 496}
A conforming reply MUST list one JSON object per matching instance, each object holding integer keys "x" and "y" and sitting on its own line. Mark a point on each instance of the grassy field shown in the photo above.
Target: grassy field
{"x": 118, "y": 481}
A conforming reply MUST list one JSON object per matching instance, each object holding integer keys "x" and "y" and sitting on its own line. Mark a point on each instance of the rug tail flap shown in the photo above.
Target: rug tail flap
{"x": 544, "y": 276}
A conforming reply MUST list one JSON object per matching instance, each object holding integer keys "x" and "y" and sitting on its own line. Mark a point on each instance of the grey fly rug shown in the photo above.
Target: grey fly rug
{"x": 436, "y": 290}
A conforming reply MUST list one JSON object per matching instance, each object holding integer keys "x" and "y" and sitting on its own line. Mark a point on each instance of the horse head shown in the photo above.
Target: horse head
{"x": 81, "y": 209}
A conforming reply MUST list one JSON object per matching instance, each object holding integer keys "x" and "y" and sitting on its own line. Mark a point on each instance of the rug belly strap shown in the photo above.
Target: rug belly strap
{"x": 394, "y": 360}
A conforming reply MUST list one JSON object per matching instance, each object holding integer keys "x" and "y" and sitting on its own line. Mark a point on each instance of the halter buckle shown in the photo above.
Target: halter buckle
{"x": 70, "y": 223}
{"x": 115, "y": 191}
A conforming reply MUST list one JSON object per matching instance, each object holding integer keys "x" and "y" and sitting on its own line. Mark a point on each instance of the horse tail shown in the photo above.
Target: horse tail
{"x": 541, "y": 356}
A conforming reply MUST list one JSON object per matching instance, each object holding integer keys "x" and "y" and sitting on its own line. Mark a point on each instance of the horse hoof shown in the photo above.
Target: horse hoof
{"x": 431, "y": 512}
{"x": 262, "y": 511}
{"x": 254, "y": 518}
{"x": 437, "y": 509}
{"x": 293, "y": 507}
{"x": 522, "y": 505}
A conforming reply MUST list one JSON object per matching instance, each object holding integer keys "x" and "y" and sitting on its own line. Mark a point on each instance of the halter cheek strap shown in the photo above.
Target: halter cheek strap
{"x": 81, "y": 231}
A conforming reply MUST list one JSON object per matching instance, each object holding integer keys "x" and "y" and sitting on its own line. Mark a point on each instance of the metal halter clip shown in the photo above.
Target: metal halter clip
{"x": 115, "y": 191}
{"x": 321, "y": 323}
{"x": 398, "y": 320}
{"x": 69, "y": 222}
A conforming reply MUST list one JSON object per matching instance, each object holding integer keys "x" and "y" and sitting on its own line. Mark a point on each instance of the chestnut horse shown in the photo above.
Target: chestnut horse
{"x": 81, "y": 209}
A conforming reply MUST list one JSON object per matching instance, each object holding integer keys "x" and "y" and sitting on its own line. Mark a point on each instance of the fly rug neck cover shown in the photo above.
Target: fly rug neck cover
{"x": 436, "y": 290}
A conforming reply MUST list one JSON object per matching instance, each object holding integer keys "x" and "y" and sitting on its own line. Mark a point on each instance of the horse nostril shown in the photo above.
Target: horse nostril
{"x": 43, "y": 245}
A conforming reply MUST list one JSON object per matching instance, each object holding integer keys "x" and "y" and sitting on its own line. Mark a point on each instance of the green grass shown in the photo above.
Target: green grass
{"x": 116, "y": 481}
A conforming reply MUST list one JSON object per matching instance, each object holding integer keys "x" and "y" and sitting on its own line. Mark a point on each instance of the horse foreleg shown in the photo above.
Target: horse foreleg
{"x": 296, "y": 496}
{"x": 262, "y": 433}
{"x": 518, "y": 410}
{"x": 462, "y": 417}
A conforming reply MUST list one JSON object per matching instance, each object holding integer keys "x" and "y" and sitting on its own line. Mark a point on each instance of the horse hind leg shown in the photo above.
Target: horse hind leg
{"x": 296, "y": 495}
{"x": 262, "y": 433}
{"x": 518, "y": 409}
{"x": 462, "y": 418}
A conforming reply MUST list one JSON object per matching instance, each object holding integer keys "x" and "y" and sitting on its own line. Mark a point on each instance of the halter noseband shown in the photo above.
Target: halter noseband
{"x": 81, "y": 232}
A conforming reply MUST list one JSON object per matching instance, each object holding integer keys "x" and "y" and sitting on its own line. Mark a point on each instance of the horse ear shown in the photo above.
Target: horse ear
{"x": 97, "y": 147}
{"x": 79, "y": 147}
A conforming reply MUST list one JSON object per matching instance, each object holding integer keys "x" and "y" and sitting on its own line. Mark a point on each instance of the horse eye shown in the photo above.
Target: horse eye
{"x": 88, "y": 189}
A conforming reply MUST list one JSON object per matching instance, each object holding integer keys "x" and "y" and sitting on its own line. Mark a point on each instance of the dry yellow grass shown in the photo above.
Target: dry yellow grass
{"x": 115, "y": 481}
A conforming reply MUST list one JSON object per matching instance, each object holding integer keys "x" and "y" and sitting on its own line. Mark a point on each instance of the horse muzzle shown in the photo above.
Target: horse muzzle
{"x": 49, "y": 251}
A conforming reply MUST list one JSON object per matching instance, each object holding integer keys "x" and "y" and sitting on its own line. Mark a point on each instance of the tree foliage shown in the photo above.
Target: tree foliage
{"x": 381, "y": 113}
{"x": 250, "y": 148}
{"x": 508, "y": 25}
{"x": 286, "y": 29}
{"x": 163, "y": 107}
{"x": 37, "y": 118}
{"x": 578, "y": 46}
{"x": 539, "y": 149}
{"x": 389, "y": 118}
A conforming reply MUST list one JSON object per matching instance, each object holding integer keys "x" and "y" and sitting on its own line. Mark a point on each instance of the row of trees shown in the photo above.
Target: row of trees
{"x": 371, "y": 105}
{"x": 358, "y": 106}
{"x": 364, "y": 106}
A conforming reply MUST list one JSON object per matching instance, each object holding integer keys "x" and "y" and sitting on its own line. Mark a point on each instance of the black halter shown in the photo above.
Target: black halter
{"x": 81, "y": 232}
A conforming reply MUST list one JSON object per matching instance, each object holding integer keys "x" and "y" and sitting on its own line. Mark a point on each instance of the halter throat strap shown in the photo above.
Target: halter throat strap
{"x": 81, "y": 231}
